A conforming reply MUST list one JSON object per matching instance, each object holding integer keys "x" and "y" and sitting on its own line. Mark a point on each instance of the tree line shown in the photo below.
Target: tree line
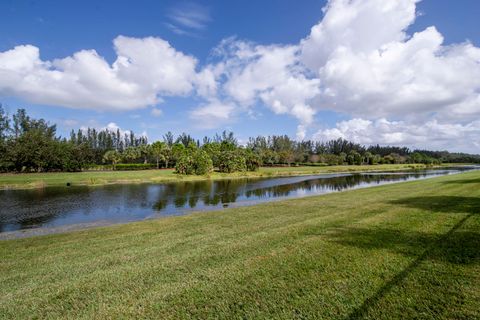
{"x": 32, "y": 145}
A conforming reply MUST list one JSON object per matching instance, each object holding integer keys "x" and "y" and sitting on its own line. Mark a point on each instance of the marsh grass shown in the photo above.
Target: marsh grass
{"x": 402, "y": 251}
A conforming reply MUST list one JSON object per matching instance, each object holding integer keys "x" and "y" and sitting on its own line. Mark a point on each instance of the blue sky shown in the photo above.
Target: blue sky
{"x": 59, "y": 29}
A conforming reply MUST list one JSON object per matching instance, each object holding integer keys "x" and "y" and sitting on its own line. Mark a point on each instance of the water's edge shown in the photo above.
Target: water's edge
{"x": 40, "y": 231}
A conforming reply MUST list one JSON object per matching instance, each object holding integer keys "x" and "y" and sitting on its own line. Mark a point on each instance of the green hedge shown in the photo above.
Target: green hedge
{"x": 311, "y": 164}
{"x": 135, "y": 166}
{"x": 120, "y": 167}
{"x": 97, "y": 167}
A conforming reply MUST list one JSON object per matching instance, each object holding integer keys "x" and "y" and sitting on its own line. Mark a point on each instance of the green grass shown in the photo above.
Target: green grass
{"x": 402, "y": 251}
{"x": 93, "y": 178}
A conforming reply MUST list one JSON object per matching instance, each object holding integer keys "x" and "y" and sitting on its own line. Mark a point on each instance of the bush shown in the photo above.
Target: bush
{"x": 135, "y": 166}
{"x": 184, "y": 164}
{"x": 198, "y": 163}
{"x": 97, "y": 167}
{"x": 316, "y": 164}
{"x": 202, "y": 162}
{"x": 252, "y": 160}
{"x": 231, "y": 161}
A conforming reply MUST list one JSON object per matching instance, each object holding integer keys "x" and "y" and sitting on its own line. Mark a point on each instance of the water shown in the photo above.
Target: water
{"x": 56, "y": 207}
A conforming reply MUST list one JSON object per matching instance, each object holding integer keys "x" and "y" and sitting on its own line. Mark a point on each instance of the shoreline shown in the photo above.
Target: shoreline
{"x": 28, "y": 181}
{"x": 68, "y": 228}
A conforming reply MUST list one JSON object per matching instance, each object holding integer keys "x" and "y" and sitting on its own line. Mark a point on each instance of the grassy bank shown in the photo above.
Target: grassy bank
{"x": 402, "y": 251}
{"x": 40, "y": 180}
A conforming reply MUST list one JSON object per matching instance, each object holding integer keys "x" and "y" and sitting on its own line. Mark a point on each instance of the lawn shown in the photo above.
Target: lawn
{"x": 92, "y": 178}
{"x": 401, "y": 251}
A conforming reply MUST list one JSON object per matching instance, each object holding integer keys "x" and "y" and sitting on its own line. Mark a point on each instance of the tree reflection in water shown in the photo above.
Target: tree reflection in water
{"x": 217, "y": 193}
{"x": 23, "y": 209}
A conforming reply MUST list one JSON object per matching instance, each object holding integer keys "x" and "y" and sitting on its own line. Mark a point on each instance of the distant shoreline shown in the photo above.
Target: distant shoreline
{"x": 23, "y": 181}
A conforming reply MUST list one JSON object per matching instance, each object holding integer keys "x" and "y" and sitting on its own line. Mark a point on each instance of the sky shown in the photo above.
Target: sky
{"x": 392, "y": 72}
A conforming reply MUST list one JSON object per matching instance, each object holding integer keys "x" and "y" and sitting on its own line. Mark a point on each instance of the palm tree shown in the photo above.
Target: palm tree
{"x": 145, "y": 151}
{"x": 158, "y": 149}
{"x": 112, "y": 156}
{"x": 131, "y": 154}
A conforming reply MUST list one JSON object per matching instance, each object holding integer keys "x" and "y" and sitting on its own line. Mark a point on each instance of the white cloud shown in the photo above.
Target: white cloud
{"x": 177, "y": 30}
{"x": 69, "y": 123}
{"x": 145, "y": 70}
{"x": 206, "y": 82}
{"x": 188, "y": 17}
{"x": 431, "y": 135}
{"x": 370, "y": 67}
{"x": 156, "y": 112}
{"x": 269, "y": 74}
{"x": 358, "y": 60}
{"x": 214, "y": 114}
{"x": 363, "y": 25}
{"x": 112, "y": 127}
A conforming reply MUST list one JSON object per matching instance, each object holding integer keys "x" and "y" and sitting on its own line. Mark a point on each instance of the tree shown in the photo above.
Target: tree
{"x": 185, "y": 164}
{"x": 195, "y": 162}
{"x": 145, "y": 151}
{"x": 131, "y": 154}
{"x": 178, "y": 150}
{"x": 354, "y": 157}
{"x": 28, "y": 144}
{"x": 4, "y": 131}
{"x": 4, "y": 124}
{"x": 167, "y": 154}
{"x": 158, "y": 151}
{"x": 169, "y": 138}
{"x": 231, "y": 161}
{"x": 213, "y": 149}
{"x": 252, "y": 160}
{"x": 202, "y": 162}
{"x": 20, "y": 122}
{"x": 34, "y": 145}
{"x": 269, "y": 156}
{"x": 368, "y": 157}
{"x": 112, "y": 156}
{"x": 34, "y": 150}
{"x": 185, "y": 139}
{"x": 286, "y": 156}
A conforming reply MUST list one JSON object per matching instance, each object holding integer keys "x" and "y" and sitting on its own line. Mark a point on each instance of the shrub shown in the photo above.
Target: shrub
{"x": 184, "y": 164}
{"x": 202, "y": 162}
{"x": 197, "y": 162}
{"x": 135, "y": 166}
{"x": 231, "y": 161}
{"x": 97, "y": 167}
{"x": 252, "y": 160}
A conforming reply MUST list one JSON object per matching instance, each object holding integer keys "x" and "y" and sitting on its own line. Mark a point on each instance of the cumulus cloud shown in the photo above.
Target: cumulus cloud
{"x": 270, "y": 75}
{"x": 144, "y": 71}
{"x": 112, "y": 127}
{"x": 432, "y": 134}
{"x": 370, "y": 67}
{"x": 213, "y": 114}
{"x": 358, "y": 60}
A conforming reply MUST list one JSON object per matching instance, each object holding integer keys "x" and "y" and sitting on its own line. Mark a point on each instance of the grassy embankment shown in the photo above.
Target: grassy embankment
{"x": 402, "y": 251}
{"x": 39, "y": 180}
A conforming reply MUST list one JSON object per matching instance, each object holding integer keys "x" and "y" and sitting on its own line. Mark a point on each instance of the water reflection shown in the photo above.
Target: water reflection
{"x": 50, "y": 207}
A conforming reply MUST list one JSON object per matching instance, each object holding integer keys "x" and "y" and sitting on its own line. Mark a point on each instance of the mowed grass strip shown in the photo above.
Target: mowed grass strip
{"x": 96, "y": 178}
{"x": 402, "y": 251}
